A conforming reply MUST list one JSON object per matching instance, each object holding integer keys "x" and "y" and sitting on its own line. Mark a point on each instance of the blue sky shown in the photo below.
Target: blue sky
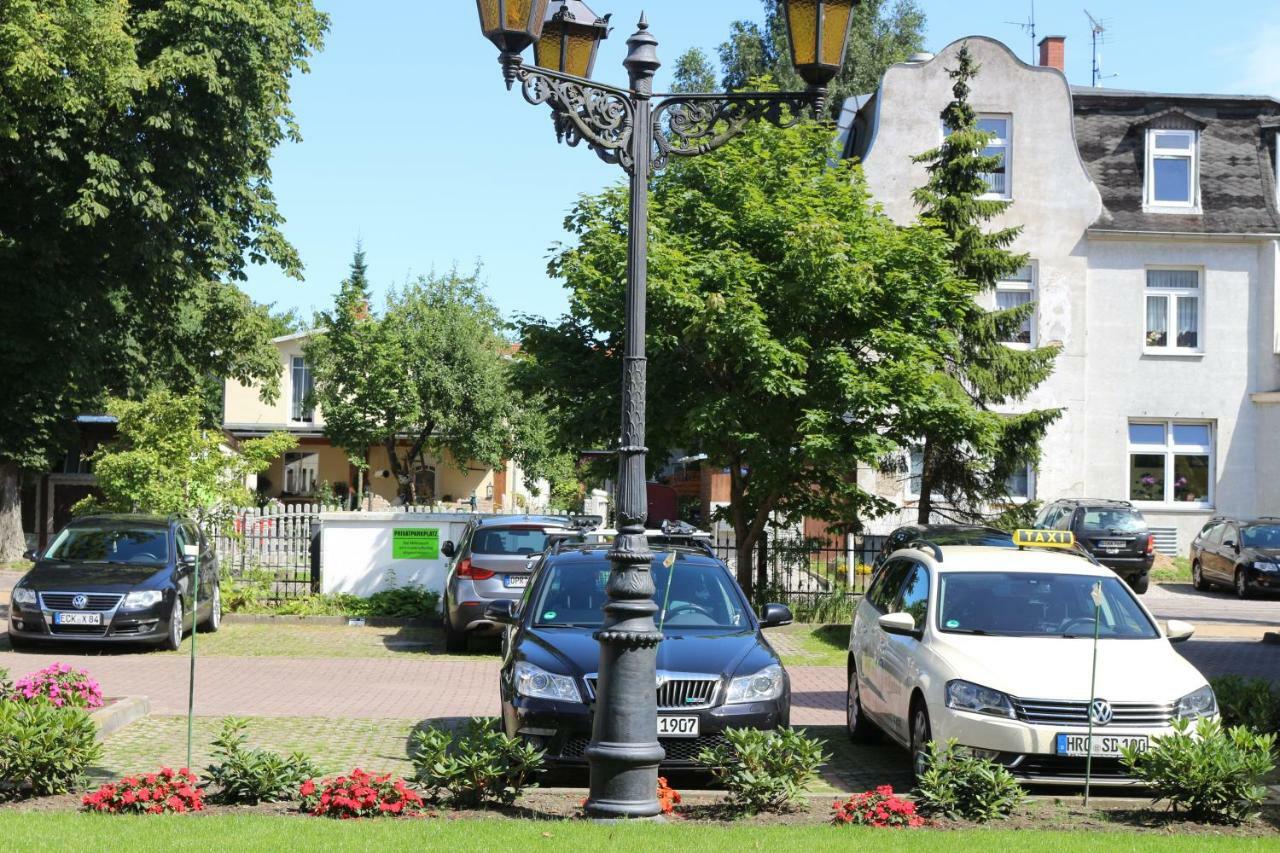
{"x": 413, "y": 145}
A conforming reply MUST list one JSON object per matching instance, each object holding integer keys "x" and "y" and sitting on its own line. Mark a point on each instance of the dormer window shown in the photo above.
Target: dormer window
{"x": 1173, "y": 171}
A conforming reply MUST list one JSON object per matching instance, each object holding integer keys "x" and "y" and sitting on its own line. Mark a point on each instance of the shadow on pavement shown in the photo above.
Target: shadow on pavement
{"x": 429, "y": 640}
{"x": 1250, "y": 658}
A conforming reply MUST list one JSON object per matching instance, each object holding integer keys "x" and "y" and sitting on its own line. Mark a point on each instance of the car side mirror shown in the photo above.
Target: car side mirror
{"x": 31, "y": 555}
{"x": 502, "y": 611}
{"x": 775, "y": 615}
{"x": 1178, "y": 631}
{"x": 900, "y": 625}
{"x": 448, "y": 549}
{"x": 190, "y": 553}
{"x": 1232, "y": 545}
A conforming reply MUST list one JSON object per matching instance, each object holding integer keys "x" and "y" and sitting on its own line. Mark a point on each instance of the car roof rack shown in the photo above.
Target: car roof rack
{"x": 926, "y": 545}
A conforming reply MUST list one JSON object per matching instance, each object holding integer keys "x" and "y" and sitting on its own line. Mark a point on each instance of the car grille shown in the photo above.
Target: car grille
{"x": 80, "y": 630}
{"x": 1047, "y": 712}
{"x": 1049, "y": 767}
{"x": 678, "y": 749}
{"x": 678, "y": 694}
{"x": 99, "y": 602}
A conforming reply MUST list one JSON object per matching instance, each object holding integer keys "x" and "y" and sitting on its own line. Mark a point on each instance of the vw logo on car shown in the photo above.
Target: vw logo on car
{"x": 80, "y": 602}
{"x": 1100, "y": 712}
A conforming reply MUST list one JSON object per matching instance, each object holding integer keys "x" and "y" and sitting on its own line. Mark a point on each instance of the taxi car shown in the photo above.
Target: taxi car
{"x": 993, "y": 647}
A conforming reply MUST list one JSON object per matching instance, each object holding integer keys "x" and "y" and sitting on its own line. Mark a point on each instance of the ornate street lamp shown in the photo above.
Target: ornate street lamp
{"x": 571, "y": 36}
{"x": 624, "y": 126}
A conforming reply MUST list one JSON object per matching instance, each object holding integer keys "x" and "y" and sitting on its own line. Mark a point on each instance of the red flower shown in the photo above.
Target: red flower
{"x": 308, "y": 788}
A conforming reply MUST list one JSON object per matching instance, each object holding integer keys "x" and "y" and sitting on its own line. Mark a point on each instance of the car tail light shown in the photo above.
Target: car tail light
{"x": 1151, "y": 544}
{"x": 466, "y": 570}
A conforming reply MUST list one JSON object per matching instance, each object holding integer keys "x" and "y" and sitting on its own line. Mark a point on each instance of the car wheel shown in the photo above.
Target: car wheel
{"x": 1197, "y": 577}
{"x": 1140, "y": 584}
{"x": 860, "y": 729}
{"x": 1242, "y": 585}
{"x": 921, "y": 737}
{"x": 214, "y": 622}
{"x": 173, "y": 640}
{"x": 455, "y": 641}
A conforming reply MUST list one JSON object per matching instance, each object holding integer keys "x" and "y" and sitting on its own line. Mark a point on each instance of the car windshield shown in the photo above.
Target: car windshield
{"x": 689, "y": 595}
{"x": 992, "y": 538}
{"x": 1261, "y": 536}
{"x": 91, "y": 544}
{"x": 1107, "y": 520}
{"x": 509, "y": 541}
{"x": 1022, "y": 604}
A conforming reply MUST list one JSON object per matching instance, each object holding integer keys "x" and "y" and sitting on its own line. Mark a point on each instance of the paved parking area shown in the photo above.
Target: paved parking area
{"x": 1182, "y": 601}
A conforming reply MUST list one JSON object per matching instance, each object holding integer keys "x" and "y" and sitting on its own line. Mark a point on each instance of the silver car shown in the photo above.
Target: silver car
{"x": 492, "y": 561}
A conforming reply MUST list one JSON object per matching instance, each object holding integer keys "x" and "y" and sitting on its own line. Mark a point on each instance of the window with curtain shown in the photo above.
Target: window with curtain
{"x": 1173, "y": 311}
{"x": 999, "y": 181}
{"x": 303, "y": 385}
{"x": 1171, "y": 462}
{"x": 1172, "y": 179}
{"x": 1018, "y": 290}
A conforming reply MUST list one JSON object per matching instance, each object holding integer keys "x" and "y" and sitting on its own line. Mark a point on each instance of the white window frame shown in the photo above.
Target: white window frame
{"x": 1018, "y": 500}
{"x": 1005, "y": 144}
{"x": 1031, "y": 286}
{"x": 1192, "y": 204}
{"x": 295, "y": 417}
{"x": 912, "y": 492}
{"x": 1171, "y": 296}
{"x": 307, "y": 470}
{"x": 1169, "y": 450}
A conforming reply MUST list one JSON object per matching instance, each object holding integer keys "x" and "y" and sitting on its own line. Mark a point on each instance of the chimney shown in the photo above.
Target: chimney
{"x": 1053, "y": 52}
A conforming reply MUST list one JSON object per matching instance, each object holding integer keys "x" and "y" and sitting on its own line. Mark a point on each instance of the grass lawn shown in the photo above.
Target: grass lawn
{"x": 1177, "y": 570}
{"x": 70, "y": 831}
{"x": 811, "y": 645}
{"x": 298, "y": 639}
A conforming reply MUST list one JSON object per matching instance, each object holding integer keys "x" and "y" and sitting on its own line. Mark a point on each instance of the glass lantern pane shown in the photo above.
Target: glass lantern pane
{"x": 577, "y": 53}
{"x": 518, "y": 14}
{"x": 802, "y": 18}
{"x": 835, "y": 27}
{"x": 489, "y": 15}
{"x": 546, "y": 51}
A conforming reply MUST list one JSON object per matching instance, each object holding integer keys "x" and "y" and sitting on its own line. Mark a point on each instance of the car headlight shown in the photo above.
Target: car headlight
{"x": 1266, "y": 567}
{"x": 142, "y": 598}
{"x": 24, "y": 596}
{"x": 536, "y": 683}
{"x": 965, "y": 696}
{"x": 762, "y": 686}
{"x": 1201, "y": 703}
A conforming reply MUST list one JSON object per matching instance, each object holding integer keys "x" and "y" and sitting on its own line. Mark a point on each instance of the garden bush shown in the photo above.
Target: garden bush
{"x": 166, "y": 792}
{"x": 1210, "y": 773}
{"x": 480, "y": 766}
{"x": 44, "y": 749}
{"x": 360, "y": 794}
{"x": 251, "y": 776}
{"x": 60, "y": 685}
{"x": 960, "y": 786}
{"x": 764, "y": 771}
{"x": 1249, "y": 702}
{"x": 880, "y": 808}
{"x": 251, "y": 593}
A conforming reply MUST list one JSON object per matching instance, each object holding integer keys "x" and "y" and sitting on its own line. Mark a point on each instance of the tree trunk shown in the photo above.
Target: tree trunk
{"x": 12, "y": 541}
{"x": 404, "y": 483}
{"x": 925, "y": 509}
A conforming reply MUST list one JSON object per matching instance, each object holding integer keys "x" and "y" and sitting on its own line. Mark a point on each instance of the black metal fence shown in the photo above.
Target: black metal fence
{"x": 276, "y": 547}
{"x": 819, "y": 581}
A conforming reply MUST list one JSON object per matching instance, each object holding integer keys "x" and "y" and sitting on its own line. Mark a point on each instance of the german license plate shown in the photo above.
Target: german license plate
{"x": 515, "y": 581}
{"x": 1112, "y": 545}
{"x": 677, "y": 727}
{"x": 1104, "y": 746}
{"x": 77, "y": 618}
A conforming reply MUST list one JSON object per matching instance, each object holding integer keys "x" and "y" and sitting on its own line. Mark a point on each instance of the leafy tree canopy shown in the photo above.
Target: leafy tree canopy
{"x": 792, "y": 328}
{"x": 164, "y": 461}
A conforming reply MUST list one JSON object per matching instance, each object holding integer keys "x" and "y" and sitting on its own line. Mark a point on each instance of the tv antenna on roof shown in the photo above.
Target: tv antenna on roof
{"x": 1029, "y": 27}
{"x": 1099, "y": 30}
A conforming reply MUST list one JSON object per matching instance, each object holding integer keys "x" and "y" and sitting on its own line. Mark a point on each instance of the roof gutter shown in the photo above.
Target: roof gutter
{"x": 1228, "y": 237}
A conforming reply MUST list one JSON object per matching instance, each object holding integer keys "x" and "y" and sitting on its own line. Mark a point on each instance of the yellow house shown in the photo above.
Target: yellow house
{"x": 316, "y": 463}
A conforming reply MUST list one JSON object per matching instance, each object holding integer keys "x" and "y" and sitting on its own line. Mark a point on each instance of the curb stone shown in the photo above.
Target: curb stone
{"x": 119, "y": 714}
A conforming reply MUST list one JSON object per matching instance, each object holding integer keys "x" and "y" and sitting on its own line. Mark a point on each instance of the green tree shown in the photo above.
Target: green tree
{"x": 883, "y": 33}
{"x": 791, "y": 324}
{"x": 135, "y": 147}
{"x": 165, "y": 461}
{"x": 968, "y": 450}
{"x": 285, "y": 321}
{"x": 427, "y": 376}
{"x": 694, "y": 73}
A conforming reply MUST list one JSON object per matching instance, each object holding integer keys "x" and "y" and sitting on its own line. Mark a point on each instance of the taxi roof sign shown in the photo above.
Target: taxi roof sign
{"x": 1044, "y": 539}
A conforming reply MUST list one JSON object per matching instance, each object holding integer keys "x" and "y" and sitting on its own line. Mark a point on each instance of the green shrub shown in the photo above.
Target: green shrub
{"x": 1248, "y": 702}
{"x": 764, "y": 771}
{"x": 482, "y": 765}
{"x": 960, "y": 786}
{"x": 405, "y": 602}
{"x": 44, "y": 749}
{"x": 252, "y": 776}
{"x": 1211, "y": 773}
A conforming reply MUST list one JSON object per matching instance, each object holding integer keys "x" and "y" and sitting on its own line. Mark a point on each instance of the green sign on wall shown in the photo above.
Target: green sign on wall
{"x": 415, "y": 543}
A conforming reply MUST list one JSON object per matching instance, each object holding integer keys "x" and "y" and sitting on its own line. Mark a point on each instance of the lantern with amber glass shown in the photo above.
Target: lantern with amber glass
{"x": 571, "y": 36}
{"x": 512, "y": 25}
{"x": 819, "y": 33}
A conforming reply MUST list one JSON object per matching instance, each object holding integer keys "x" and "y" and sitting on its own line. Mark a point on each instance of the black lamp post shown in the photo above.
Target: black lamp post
{"x": 625, "y": 127}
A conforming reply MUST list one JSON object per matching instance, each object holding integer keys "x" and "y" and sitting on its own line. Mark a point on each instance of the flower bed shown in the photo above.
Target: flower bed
{"x": 881, "y": 808}
{"x": 60, "y": 684}
{"x": 360, "y": 794}
{"x": 166, "y": 792}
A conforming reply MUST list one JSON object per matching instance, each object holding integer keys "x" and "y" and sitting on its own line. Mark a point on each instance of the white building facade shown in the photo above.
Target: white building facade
{"x": 1152, "y": 226}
